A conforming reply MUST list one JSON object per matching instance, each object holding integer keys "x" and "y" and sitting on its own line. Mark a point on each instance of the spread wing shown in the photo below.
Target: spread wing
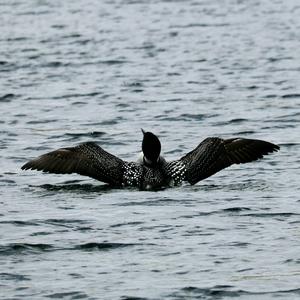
{"x": 215, "y": 154}
{"x": 87, "y": 159}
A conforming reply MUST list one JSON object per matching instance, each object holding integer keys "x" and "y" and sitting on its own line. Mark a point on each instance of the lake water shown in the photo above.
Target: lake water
{"x": 75, "y": 71}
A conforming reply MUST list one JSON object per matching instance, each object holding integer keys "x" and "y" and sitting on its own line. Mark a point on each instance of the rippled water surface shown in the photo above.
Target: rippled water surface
{"x": 75, "y": 71}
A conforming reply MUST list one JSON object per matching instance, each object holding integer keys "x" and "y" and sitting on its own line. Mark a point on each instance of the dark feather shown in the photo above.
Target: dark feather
{"x": 215, "y": 154}
{"x": 87, "y": 159}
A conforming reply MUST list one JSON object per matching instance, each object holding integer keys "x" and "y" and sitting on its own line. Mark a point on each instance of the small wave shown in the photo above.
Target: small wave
{"x": 15, "y": 277}
{"x": 19, "y": 223}
{"x": 30, "y": 248}
{"x": 85, "y": 134}
{"x": 245, "y": 185}
{"x": 286, "y": 117}
{"x": 215, "y": 292}
{"x": 229, "y": 122}
{"x": 288, "y": 96}
{"x": 133, "y": 84}
{"x": 113, "y": 62}
{"x": 111, "y": 122}
{"x": 237, "y": 121}
{"x": 245, "y": 132}
{"x": 133, "y": 298}
{"x": 268, "y": 96}
{"x": 185, "y": 117}
{"x": 126, "y": 224}
{"x": 192, "y": 25}
{"x": 156, "y": 202}
{"x": 174, "y": 74}
{"x": 34, "y": 122}
{"x": 68, "y": 295}
{"x": 76, "y": 95}
{"x": 137, "y": 90}
{"x": 289, "y": 145}
{"x": 7, "y": 97}
{"x": 64, "y": 222}
{"x": 18, "y": 39}
{"x": 225, "y": 291}
{"x": 275, "y": 59}
{"x": 272, "y": 215}
{"x": 40, "y": 233}
{"x": 8, "y": 181}
{"x": 72, "y": 35}
{"x": 37, "y": 148}
{"x": 215, "y": 212}
{"x": 238, "y": 244}
{"x": 102, "y": 246}
{"x": 70, "y": 136}
{"x": 82, "y": 41}
{"x": 58, "y": 26}
{"x": 192, "y": 117}
{"x": 35, "y": 13}
{"x": 24, "y": 248}
{"x": 235, "y": 209}
{"x": 55, "y": 64}
{"x": 252, "y": 87}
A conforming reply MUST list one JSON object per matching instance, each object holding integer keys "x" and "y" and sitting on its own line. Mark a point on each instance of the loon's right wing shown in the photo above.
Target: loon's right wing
{"x": 215, "y": 154}
{"x": 86, "y": 159}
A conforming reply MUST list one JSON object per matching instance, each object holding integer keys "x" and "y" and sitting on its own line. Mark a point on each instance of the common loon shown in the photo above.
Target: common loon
{"x": 152, "y": 170}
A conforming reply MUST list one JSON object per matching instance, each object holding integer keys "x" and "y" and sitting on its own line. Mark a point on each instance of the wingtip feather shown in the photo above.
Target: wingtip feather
{"x": 26, "y": 166}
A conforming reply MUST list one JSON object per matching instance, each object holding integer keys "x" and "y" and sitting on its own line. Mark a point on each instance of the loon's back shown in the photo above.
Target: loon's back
{"x": 146, "y": 177}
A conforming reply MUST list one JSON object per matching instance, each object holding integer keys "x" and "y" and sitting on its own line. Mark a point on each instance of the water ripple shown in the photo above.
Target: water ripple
{"x": 24, "y": 248}
{"x": 186, "y": 70}
{"x": 219, "y": 292}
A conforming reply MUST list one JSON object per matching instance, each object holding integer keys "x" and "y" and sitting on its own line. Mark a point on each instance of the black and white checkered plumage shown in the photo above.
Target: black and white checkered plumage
{"x": 209, "y": 157}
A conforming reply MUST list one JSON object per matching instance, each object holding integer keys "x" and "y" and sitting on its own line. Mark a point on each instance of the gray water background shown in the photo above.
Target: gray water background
{"x": 75, "y": 71}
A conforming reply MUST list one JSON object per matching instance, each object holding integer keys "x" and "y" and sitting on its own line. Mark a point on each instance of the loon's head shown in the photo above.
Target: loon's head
{"x": 151, "y": 148}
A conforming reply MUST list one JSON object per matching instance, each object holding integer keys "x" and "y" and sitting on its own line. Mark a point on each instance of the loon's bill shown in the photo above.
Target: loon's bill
{"x": 209, "y": 157}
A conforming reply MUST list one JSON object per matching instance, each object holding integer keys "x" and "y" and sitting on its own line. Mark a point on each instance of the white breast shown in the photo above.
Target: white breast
{"x": 140, "y": 158}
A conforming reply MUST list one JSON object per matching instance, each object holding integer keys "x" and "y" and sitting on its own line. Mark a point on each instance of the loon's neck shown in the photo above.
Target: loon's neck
{"x": 149, "y": 162}
{"x": 143, "y": 160}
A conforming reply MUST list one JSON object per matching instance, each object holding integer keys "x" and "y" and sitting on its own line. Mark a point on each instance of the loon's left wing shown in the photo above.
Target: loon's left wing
{"x": 86, "y": 159}
{"x": 215, "y": 154}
